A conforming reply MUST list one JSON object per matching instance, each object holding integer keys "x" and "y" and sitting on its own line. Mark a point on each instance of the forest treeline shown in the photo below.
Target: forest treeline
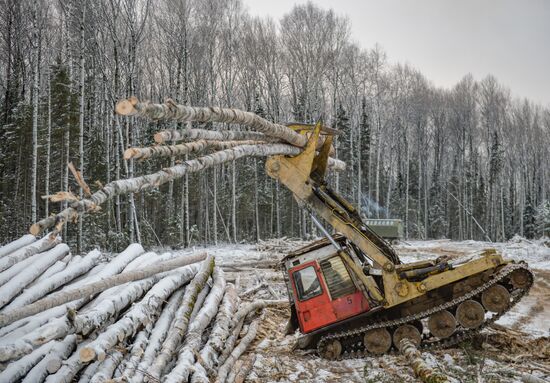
{"x": 467, "y": 162}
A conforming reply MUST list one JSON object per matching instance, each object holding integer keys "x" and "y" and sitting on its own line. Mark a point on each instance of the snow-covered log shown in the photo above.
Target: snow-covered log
{"x": 131, "y": 364}
{"x": 25, "y": 240}
{"x": 225, "y": 369}
{"x": 244, "y": 370}
{"x": 238, "y": 321}
{"x": 181, "y": 320}
{"x": 140, "y": 314}
{"x": 160, "y": 330}
{"x": 18, "y": 369}
{"x": 420, "y": 368}
{"x": 54, "y": 269}
{"x": 112, "y": 306}
{"x": 200, "y": 300}
{"x": 29, "y": 250}
{"x": 51, "y": 363}
{"x": 186, "y": 148}
{"x": 15, "y": 285}
{"x": 89, "y": 372}
{"x": 106, "y": 369}
{"x": 172, "y": 135}
{"x": 208, "y": 356}
{"x": 87, "y": 290}
{"x": 182, "y": 113}
{"x": 70, "y": 368}
{"x": 68, "y": 274}
{"x": 186, "y": 357}
{"x": 136, "y": 184}
{"x": 24, "y": 326}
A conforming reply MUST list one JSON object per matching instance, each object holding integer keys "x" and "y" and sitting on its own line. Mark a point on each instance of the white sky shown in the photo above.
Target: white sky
{"x": 446, "y": 39}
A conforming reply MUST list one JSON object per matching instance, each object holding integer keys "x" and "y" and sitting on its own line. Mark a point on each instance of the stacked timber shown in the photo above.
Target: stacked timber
{"x": 135, "y": 316}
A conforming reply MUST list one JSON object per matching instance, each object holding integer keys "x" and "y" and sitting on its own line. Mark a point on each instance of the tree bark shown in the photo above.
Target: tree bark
{"x": 186, "y": 357}
{"x": 140, "y": 314}
{"x": 179, "y": 326}
{"x": 45, "y": 286}
{"x": 15, "y": 285}
{"x": 93, "y": 288}
{"x": 173, "y": 135}
{"x": 182, "y": 113}
{"x": 136, "y": 184}
{"x": 225, "y": 369}
{"x": 9, "y": 248}
{"x": 158, "y": 335}
{"x": 420, "y": 368}
{"x": 17, "y": 370}
{"x": 51, "y": 363}
{"x": 136, "y": 353}
{"x": 182, "y": 149}
{"x": 25, "y": 252}
{"x": 208, "y": 356}
{"x": 106, "y": 369}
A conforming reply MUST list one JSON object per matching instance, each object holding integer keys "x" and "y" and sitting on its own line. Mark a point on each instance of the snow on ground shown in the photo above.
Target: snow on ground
{"x": 277, "y": 362}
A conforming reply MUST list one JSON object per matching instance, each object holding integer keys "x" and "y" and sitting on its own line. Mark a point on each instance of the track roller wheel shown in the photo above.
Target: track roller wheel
{"x": 442, "y": 324}
{"x": 520, "y": 278}
{"x": 496, "y": 299}
{"x": 332, "y": 350}
{"x": 407, "y": 331}
{"x": 470, "y": 314}
{"x": 377, "y": 341}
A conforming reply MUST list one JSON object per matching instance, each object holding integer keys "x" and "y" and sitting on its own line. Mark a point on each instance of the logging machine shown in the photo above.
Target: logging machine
{"x": 350, "y": 294}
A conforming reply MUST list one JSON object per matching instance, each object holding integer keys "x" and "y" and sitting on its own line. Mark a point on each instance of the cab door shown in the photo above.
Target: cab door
{"x": 313, "y": 305}
{"x": 346, "y": 299}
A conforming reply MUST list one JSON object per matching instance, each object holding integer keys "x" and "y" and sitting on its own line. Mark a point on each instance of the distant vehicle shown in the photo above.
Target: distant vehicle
{"x": 389, "y": 229}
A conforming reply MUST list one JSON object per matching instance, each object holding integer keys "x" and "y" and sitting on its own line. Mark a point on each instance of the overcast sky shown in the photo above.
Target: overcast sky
{"x": 446, "y": 39}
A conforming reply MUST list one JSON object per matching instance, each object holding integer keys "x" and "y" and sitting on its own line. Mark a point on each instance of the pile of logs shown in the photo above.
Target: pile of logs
{"x": 131, "y": 317}
{"x": 212, "y": 147}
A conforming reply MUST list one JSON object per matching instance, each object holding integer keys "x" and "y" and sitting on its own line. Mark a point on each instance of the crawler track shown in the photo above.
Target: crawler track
{"x": 352, "y": 340}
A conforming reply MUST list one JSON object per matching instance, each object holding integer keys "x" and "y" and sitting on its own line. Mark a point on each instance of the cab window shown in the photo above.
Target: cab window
{"x": 307, "y": 283}
{"x": 337, "y": 278}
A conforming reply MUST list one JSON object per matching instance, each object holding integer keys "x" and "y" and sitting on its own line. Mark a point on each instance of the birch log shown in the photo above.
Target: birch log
{"x": 88, "y": 372}
{"x": 112, "y": 306}
{"x": 238, "y": 321}
{"x": 51, "y": 362}
{"x": 25, "y": 240}
{"x": 54, "y": 269}
{"x": 130, "y": 365}
{"x": 14, "y": 286}
{"x": 78, "y": 292}
{"x": 420, "y": 368}
{"x": 172, "y": 135}
{"x": 134, "y": 185}
{"x": 183, "y": 113}
{"x": 208, "y": 356}
{"x": 25, "y": 252}
{"x": 180, "y": 324}
{"x": 186, "y": 357}
{"x": 20, "y": 259}
{"x": 18, "y": 369}
{"x": 158, "y": 334}
{"x": 70, "y": 368}
{"x": 238, "y": 351}
{"x": 140, "y": 314}
{"x": 187, "y": 148}
{"x": 106, "y": 369}
{"x": 137, "y": 184}
{"x": 200, "y": 300}
{"x": 68, "y": 274}
{"x": 246, "y": 367}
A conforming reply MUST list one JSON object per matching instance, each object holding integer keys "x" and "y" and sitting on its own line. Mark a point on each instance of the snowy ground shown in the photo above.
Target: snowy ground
{"x": 523, "y": 337}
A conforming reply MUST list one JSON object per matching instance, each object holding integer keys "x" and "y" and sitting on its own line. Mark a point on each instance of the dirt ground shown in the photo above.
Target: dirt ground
{"x": 515, "y": 349}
